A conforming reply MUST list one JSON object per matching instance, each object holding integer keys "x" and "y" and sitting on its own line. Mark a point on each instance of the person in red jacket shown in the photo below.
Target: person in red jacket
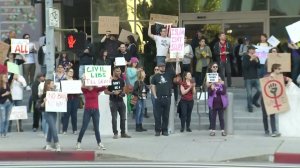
{"x": 91, "y": 110}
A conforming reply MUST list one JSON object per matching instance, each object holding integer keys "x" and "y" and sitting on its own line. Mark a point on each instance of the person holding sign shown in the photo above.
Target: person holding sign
{"x": 5, "y": 104}
{"x": 187, "y": 89}
{"x": 72, "y": 106}
{"x": 50, "y": 117}
{"x": 162, "y": 44}
{"x": 251, "y": 65}
{"x": 91, "y": 110}
{"x": 116, "y": 103}
{"x": 275, "y": 71}
{"x": 263, "y": 43}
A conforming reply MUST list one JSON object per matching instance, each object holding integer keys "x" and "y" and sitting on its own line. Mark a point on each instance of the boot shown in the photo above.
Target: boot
{"x": 146, "y": 113}
{"x": 141, "y": 127}
{"x": 138, "y": 128}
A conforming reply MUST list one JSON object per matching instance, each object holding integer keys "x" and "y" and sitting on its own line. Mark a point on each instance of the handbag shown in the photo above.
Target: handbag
{"x": 133, "y": 100}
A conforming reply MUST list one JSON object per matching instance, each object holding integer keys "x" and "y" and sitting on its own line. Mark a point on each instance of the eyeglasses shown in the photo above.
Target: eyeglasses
{"x": 156, "y": 69}
{"x": 214, "y": 66}
{"x": 71, "y": 71}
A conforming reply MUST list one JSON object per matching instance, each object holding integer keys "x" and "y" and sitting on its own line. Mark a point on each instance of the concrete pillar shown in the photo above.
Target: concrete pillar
{"x": 228, "y": 116}
{"x": 50, "y": 49}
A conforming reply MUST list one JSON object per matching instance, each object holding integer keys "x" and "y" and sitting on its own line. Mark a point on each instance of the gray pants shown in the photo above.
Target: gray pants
{"x": 28, "y": 72}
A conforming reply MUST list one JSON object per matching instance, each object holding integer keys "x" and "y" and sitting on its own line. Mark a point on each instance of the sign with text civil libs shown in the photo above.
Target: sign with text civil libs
{"x": 75, "y": 41}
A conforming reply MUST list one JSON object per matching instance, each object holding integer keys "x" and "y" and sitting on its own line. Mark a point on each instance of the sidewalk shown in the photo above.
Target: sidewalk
{"x": 197, "y": 146}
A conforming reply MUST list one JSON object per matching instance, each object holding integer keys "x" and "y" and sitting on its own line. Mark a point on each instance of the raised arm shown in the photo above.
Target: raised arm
{"x": 149, "y": 31}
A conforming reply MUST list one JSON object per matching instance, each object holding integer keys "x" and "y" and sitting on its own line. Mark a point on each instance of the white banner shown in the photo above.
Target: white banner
{"x": 262, "y": 53}
{"x": 20, "y": 46}
{"x": 18, "y": 113}
{"x": 97, "y": 75}
{"x": 71, "y": 86}
{"x": 56, "y": 101}
{"x": 177, "y": 42}
{"x": 212, "y": 77}
{"x": 293, "y": 31}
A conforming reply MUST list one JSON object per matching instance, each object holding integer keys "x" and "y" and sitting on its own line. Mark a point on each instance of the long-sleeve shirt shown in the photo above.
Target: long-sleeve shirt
{"x": 250, "y": 68}
{"x": 17, "y": 87}
{"x": 91, "y": 97}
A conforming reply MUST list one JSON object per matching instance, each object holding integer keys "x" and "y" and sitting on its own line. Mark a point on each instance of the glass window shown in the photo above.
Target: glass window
{"x": 193, "y": 6}
{"x": 284, "y": 8}
{"x": 277, "y": 28}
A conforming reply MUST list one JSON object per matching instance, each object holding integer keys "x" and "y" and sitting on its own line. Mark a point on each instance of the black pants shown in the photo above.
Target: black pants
{"x": 36, "y": 116}
{"x": 265, "y": 119}
{"x": 186, "y": 111}
{"x": 220, "y": 113}
{"x": 162, "y": 113}
{"x": 115, "y": 108}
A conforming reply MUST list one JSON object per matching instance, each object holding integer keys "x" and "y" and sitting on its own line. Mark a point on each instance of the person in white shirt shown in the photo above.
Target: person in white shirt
{"x": 162, "y": 44}
{"x": 29, "y": 65}
{"x": 17, "y": 86}
{"x": 188, "y": 56}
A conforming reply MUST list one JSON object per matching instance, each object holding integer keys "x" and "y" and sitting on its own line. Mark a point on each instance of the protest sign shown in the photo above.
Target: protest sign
{"x": 262, "y": 53}
{"x": 108, "y": 23}
{"x": 293, "y": 31}
{"x": 56, "y": 101}
{"x": 71, "y": 86}
{"x": 20, "y": 46}
{"x": 165, "y": 19}
{"x": 13, "y": 68}
{"x": 177, "y": 42}
{"x": 97, "y": 75}
{"x": 273, "y": 41}
{"x": 4, "y": 48}
{"x": 212, "y": 77}
{"x": 284, "y": 59}
{"x": 18, "y": 113}
{"x": 120, "y": 61}
{"x": 124, "y": 34}
{"x": 273, "y": 93}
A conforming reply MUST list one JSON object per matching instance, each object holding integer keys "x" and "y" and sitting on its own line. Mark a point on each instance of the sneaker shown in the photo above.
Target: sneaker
{"x": 275, "y": 134}
{"x": 256, "y": 105}
{"x": 125, "y": 136}
{"x": 157, "y": 133}
{"x": 101, "y": 146}
{"x": 57, "y": 147}
{"x": 188, "y": 130}
{"x": 115, "y": 136}
{"x": 49, "y": 148}
{"x": 165, "y": 134}
{"x": 65, "y": 133}
{"x": 34, "y": 129}
{"x": 28, "y": 88}
{"x": 78, "y": 146}
{"x": 75, "y": 132}
{"x": 267, "y": 133}
{"x": 224, "y": 133}
{"x": 212, "y": 133}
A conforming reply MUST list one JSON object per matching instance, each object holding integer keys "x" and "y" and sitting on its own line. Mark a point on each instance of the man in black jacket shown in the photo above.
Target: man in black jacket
{"x": 250, "y": 69}
{"x": 34, "y": 93}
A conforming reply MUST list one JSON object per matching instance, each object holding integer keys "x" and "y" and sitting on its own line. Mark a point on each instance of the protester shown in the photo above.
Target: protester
{"x": 116, "y": 103}
{"x": 243, "y": 51}
{"x": 12, "y": 35}
{"x": 29, "y": 65}
{"x": 50, "y": 117}
{"x": 188, "y": 56}
{"x": 85, "y": 59}
{"x": 217, "y": 102}
{"x": 60, "y": 73}
{"x": 132, "y": 47}
{"x": 111, "y": 45}
{"x": 17, "y": 85}
{"x": 162, "y": 44}
{"x": 262, "y": 71}
{"x": 295, "y": 52}
{"x": 188, "y": 90}
{"x": 34, "y": 93}
{"x": 103, "y": 59}
{"x": 5, "y": 104}
{"x": 91, "y": 110}
{"x": 64, "y": 61}
{"x": 161, "y": 90}
{"x": 131, "y": 77}
{"x": 140, "y": 90}
{"x": 156, "y": 71}
{"x": 250, "y": 68}
{"x": 222, "y": 54}
{"x": 72, "y": 106}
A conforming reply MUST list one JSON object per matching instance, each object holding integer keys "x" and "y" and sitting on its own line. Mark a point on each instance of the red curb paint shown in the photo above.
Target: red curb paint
{"x": 287, "y": 157}
{"x": 47, "y": 156}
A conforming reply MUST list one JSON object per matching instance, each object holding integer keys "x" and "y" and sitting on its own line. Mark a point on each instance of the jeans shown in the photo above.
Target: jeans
{"x": 115, "y": 108}
{"x": 252, "y": 83}
{"x": 160, "y": 59}
{"x": 72, "y": 107}
{"x": 81, "y": 71}
{"x": 262, "y": 71}
{"x": 186, "y": 112}
{"x": 52, "y": 132}
{"x": 220, "y": 113}
{"x": 45, "y": 126}
{"x": 5, "y": 109}
{"x": 225, "y": 67}
{"x": 162, "y": 113}
{"x": 265, "y": 119}
{"x": 295, "y": 68}
{"x": 87, "y": 114}
{"x": 140, "y": 105}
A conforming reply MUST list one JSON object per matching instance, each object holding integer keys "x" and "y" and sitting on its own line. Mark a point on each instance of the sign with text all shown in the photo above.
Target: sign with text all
{"x": 56, "y": 101}
{"x": 177, "y": 42}
{"x": 20, "y": 46}
{"x": 97, "y": 75}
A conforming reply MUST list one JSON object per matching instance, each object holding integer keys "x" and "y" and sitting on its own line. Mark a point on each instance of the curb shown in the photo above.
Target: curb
{"x": 47, "y": 156}
{"x": 287, "y": 158}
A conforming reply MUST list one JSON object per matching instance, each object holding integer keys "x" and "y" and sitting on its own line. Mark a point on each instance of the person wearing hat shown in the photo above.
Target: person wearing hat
{"x": 161, "y": 88}
{"x": 34, "y": 93}
{"x": 131, "y": 77}
{"x": 250, "y": 68}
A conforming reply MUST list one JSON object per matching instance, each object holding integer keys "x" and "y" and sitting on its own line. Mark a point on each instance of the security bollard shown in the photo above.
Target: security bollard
{"x": 228, "y": 116}
{"x": 171, "y": 126}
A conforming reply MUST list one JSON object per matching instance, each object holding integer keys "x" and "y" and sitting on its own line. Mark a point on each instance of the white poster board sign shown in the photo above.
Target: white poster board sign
{"x": 293, "y": 31}
{"x": 71, "y": 86}
{"x": 120, "y": 61}
{"x": 262, "y": 53}
{"x": 177, "y": 42}
{"x": 212, "y": 77}
{"x": 20, "y": 46}
{"x": 18, "y": 113}
{"x": 56, "y": 101}
{"x": 97, "y": 75}
{"x": 273, "y": 41}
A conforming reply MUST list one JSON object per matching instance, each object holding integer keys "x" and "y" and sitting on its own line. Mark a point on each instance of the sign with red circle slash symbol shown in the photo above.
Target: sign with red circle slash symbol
{"x": 273, "y": 94}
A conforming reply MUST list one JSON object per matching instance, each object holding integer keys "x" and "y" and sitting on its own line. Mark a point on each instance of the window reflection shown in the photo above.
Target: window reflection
{"x": 286, "y": 7}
